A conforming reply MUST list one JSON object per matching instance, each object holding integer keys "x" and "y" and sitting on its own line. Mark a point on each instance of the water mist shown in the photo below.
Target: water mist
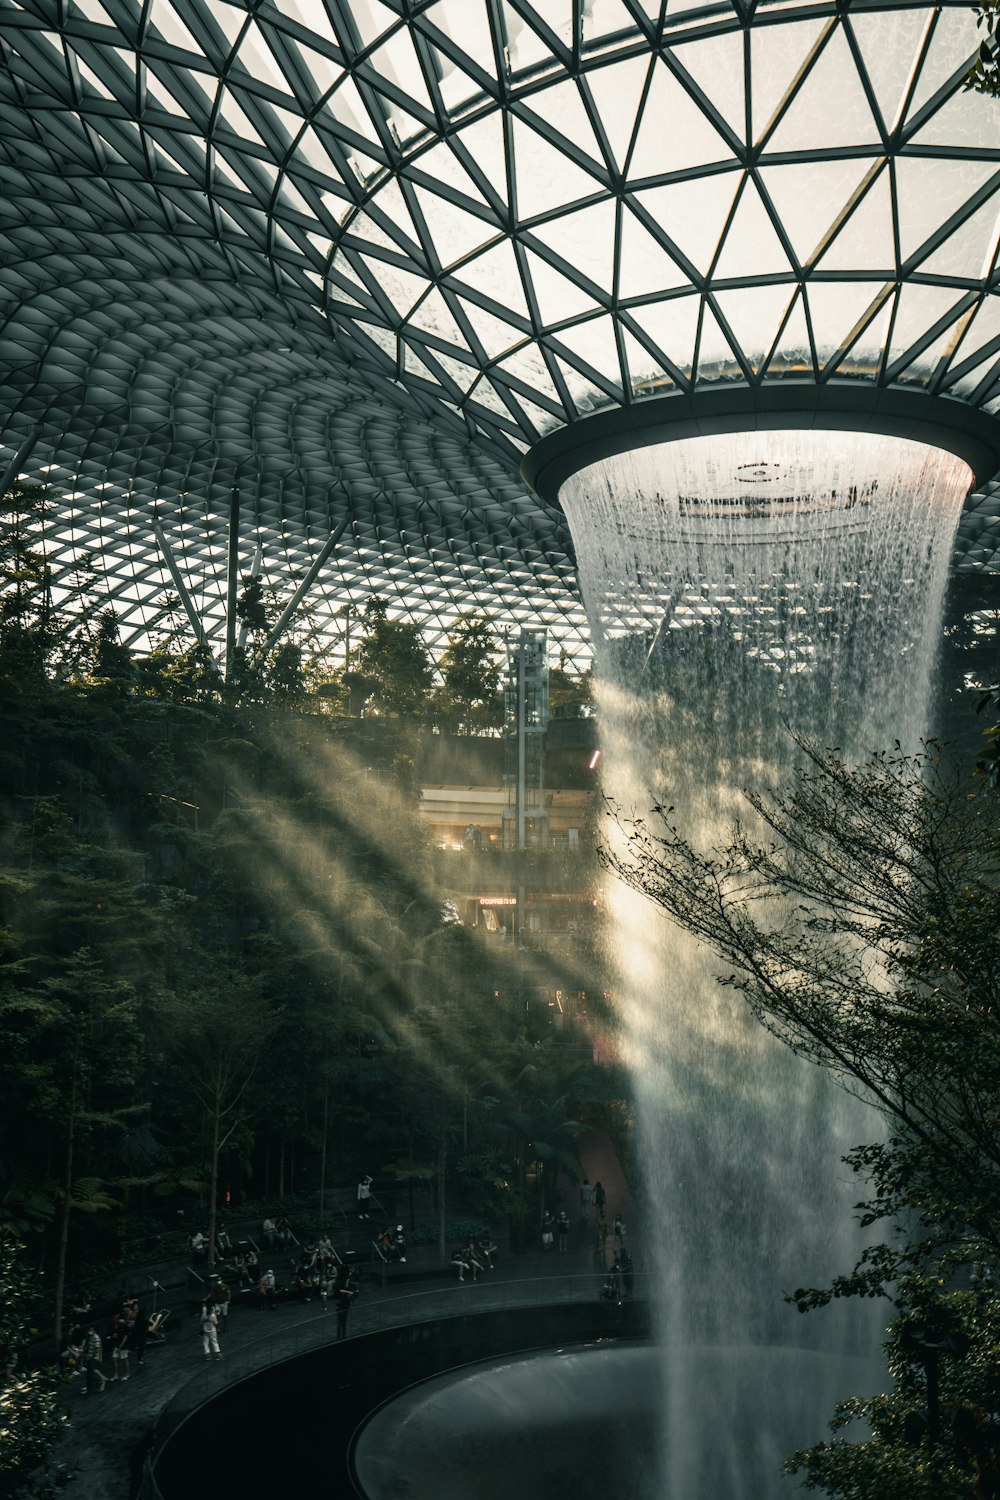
{"x": 743, "y": 589}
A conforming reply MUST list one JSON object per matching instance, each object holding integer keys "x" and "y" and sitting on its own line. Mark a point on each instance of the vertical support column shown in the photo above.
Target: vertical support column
{"x": 232, "y": 572}
{"x": 522, "y": 747}
{"x": 17, "y": 463}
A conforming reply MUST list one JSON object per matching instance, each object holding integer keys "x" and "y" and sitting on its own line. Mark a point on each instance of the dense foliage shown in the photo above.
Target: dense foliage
{"x": 225, "y": 970}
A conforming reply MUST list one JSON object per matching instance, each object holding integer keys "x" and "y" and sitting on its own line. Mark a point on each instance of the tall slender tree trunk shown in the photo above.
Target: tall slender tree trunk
{"x": 322, "y": 1159}
{"x": 213, "y": 1183}
{"x": 65, "y": 1210}
{"x": 442, "y": 1169}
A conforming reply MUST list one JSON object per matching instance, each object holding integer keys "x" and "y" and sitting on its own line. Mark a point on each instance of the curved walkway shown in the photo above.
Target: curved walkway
{"x": 107, "y": 1434}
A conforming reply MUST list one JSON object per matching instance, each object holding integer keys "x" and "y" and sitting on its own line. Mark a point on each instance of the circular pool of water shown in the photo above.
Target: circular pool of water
{"x": 589, "y": 1420}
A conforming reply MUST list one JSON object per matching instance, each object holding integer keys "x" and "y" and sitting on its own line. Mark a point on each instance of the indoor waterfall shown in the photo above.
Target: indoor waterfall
{"x": 742, "y": 589}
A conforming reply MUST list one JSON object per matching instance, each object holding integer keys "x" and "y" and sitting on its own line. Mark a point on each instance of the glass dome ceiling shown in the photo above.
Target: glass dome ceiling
{"x": 355, "y": 257}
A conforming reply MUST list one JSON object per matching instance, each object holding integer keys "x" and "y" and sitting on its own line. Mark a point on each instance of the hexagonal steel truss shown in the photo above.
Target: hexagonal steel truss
{"x": 348, "y": 259}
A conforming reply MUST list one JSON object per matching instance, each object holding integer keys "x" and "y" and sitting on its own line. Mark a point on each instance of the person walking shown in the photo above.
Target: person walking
{"x": 600, "y": 1196}
{"x": 601, "y": 1237}
{"x": 120, "y": 1347}
{"x": 364, "y": 1197}
{"x": 222, "y": 1297}
{"x": 562, "y": 1231}
{"x": 93, "y": 1354}
{"x": 344, "y": 1294}
{"x": 586, "y": 1198}
{"x": 619, "y": 1230}
{"x": 138, "y": 1330}
{"x": 210, "y": 1332}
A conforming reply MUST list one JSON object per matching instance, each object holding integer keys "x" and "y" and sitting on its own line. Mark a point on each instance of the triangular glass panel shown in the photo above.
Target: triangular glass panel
{"x": 258, "y": 58}
{"x": 809, "y": 197}
{"x": 617, "y": 92}
{"x": 545, "y": 178}
{"x": 454, "y": 233}
{"x": 527, "y": 365}
{"x": 557, "y": 296}
{"x": 462, "y": 80}
{"x": 365, "y": 230}
{"x": 585, "y": 395}
{"x": 971, "y": 382}
{"x": 594, "y": 342}
{"x": 836, "y": 309}
{"x": 605, "y": 17}
{"x": 484, "y": 393}
{"x": 929, "y": 191}
{"x": 863, "y": 360}
{"x": 434, "y": 316}
{"x": 495, "y": 273}
{"x": 585, "y": 240}
{"x": 345, "y": 107}
{"x": 923, "y": 369}
{"x": 525, "y": 47}
{"x": 466, "y": 23}
{"x": 541, "y": 420}
{"x": 324, "y": 71}
{"x": 494, "y": 334}
{"x": 693, "y": 214}
{"x": 443, "y": 165}
{"x": 392, "y": 206}
{"x": 716, "y": 358}
{"x": 229, "y": 20}
{"x": 674, "y": 135}
{"x": 169, "y": 22}
{"x": 716, "y": 66}
{"x": 963, "y": 121}
{"x": 397, "y": 61}
{"x": 751, "y": 246}
{"x": 952, "y": 50}
{"x": 982, "y": 330}
{"x": 386, "y": 341}
{"x": 232, "y": 113}
{"x": 890, "y": 42}
{"x": 483, "y": 141}
{"x": 777, "y": 54}
{"x": 670, "y": 326}
{"x": 865, "y": 240}
{"x": 830, "y": 107}
{"x": 403, "y": 288}
{"x": 563, "y": 109}
{"x": 970, "y": 251}
{"x": 647, "y": 377}
{"x": 372, "y": 21}
{"x": 918, "y": 309}
{"x": 754, "y": 316}
{"x": 462, "y": 374}
{"x": 644, "y": 266}
{"x": 792, "y": 357}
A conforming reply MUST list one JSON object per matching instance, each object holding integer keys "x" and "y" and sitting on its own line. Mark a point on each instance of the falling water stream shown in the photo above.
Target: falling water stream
{"x": 742, "y": 589}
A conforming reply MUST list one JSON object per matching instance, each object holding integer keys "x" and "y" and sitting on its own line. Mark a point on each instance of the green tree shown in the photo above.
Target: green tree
{"x": 469, "y": 700}
{"x": 221, "y": 1031}
{"x": 392, "y": 665}
{"x": 30, "y": 1420}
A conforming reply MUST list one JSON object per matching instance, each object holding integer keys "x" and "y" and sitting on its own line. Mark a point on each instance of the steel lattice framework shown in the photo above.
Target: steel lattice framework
{"x": 294, "y": 284}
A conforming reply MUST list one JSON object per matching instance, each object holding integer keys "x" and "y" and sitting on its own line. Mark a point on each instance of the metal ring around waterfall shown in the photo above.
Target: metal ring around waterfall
{"x": 939, "y": 421}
